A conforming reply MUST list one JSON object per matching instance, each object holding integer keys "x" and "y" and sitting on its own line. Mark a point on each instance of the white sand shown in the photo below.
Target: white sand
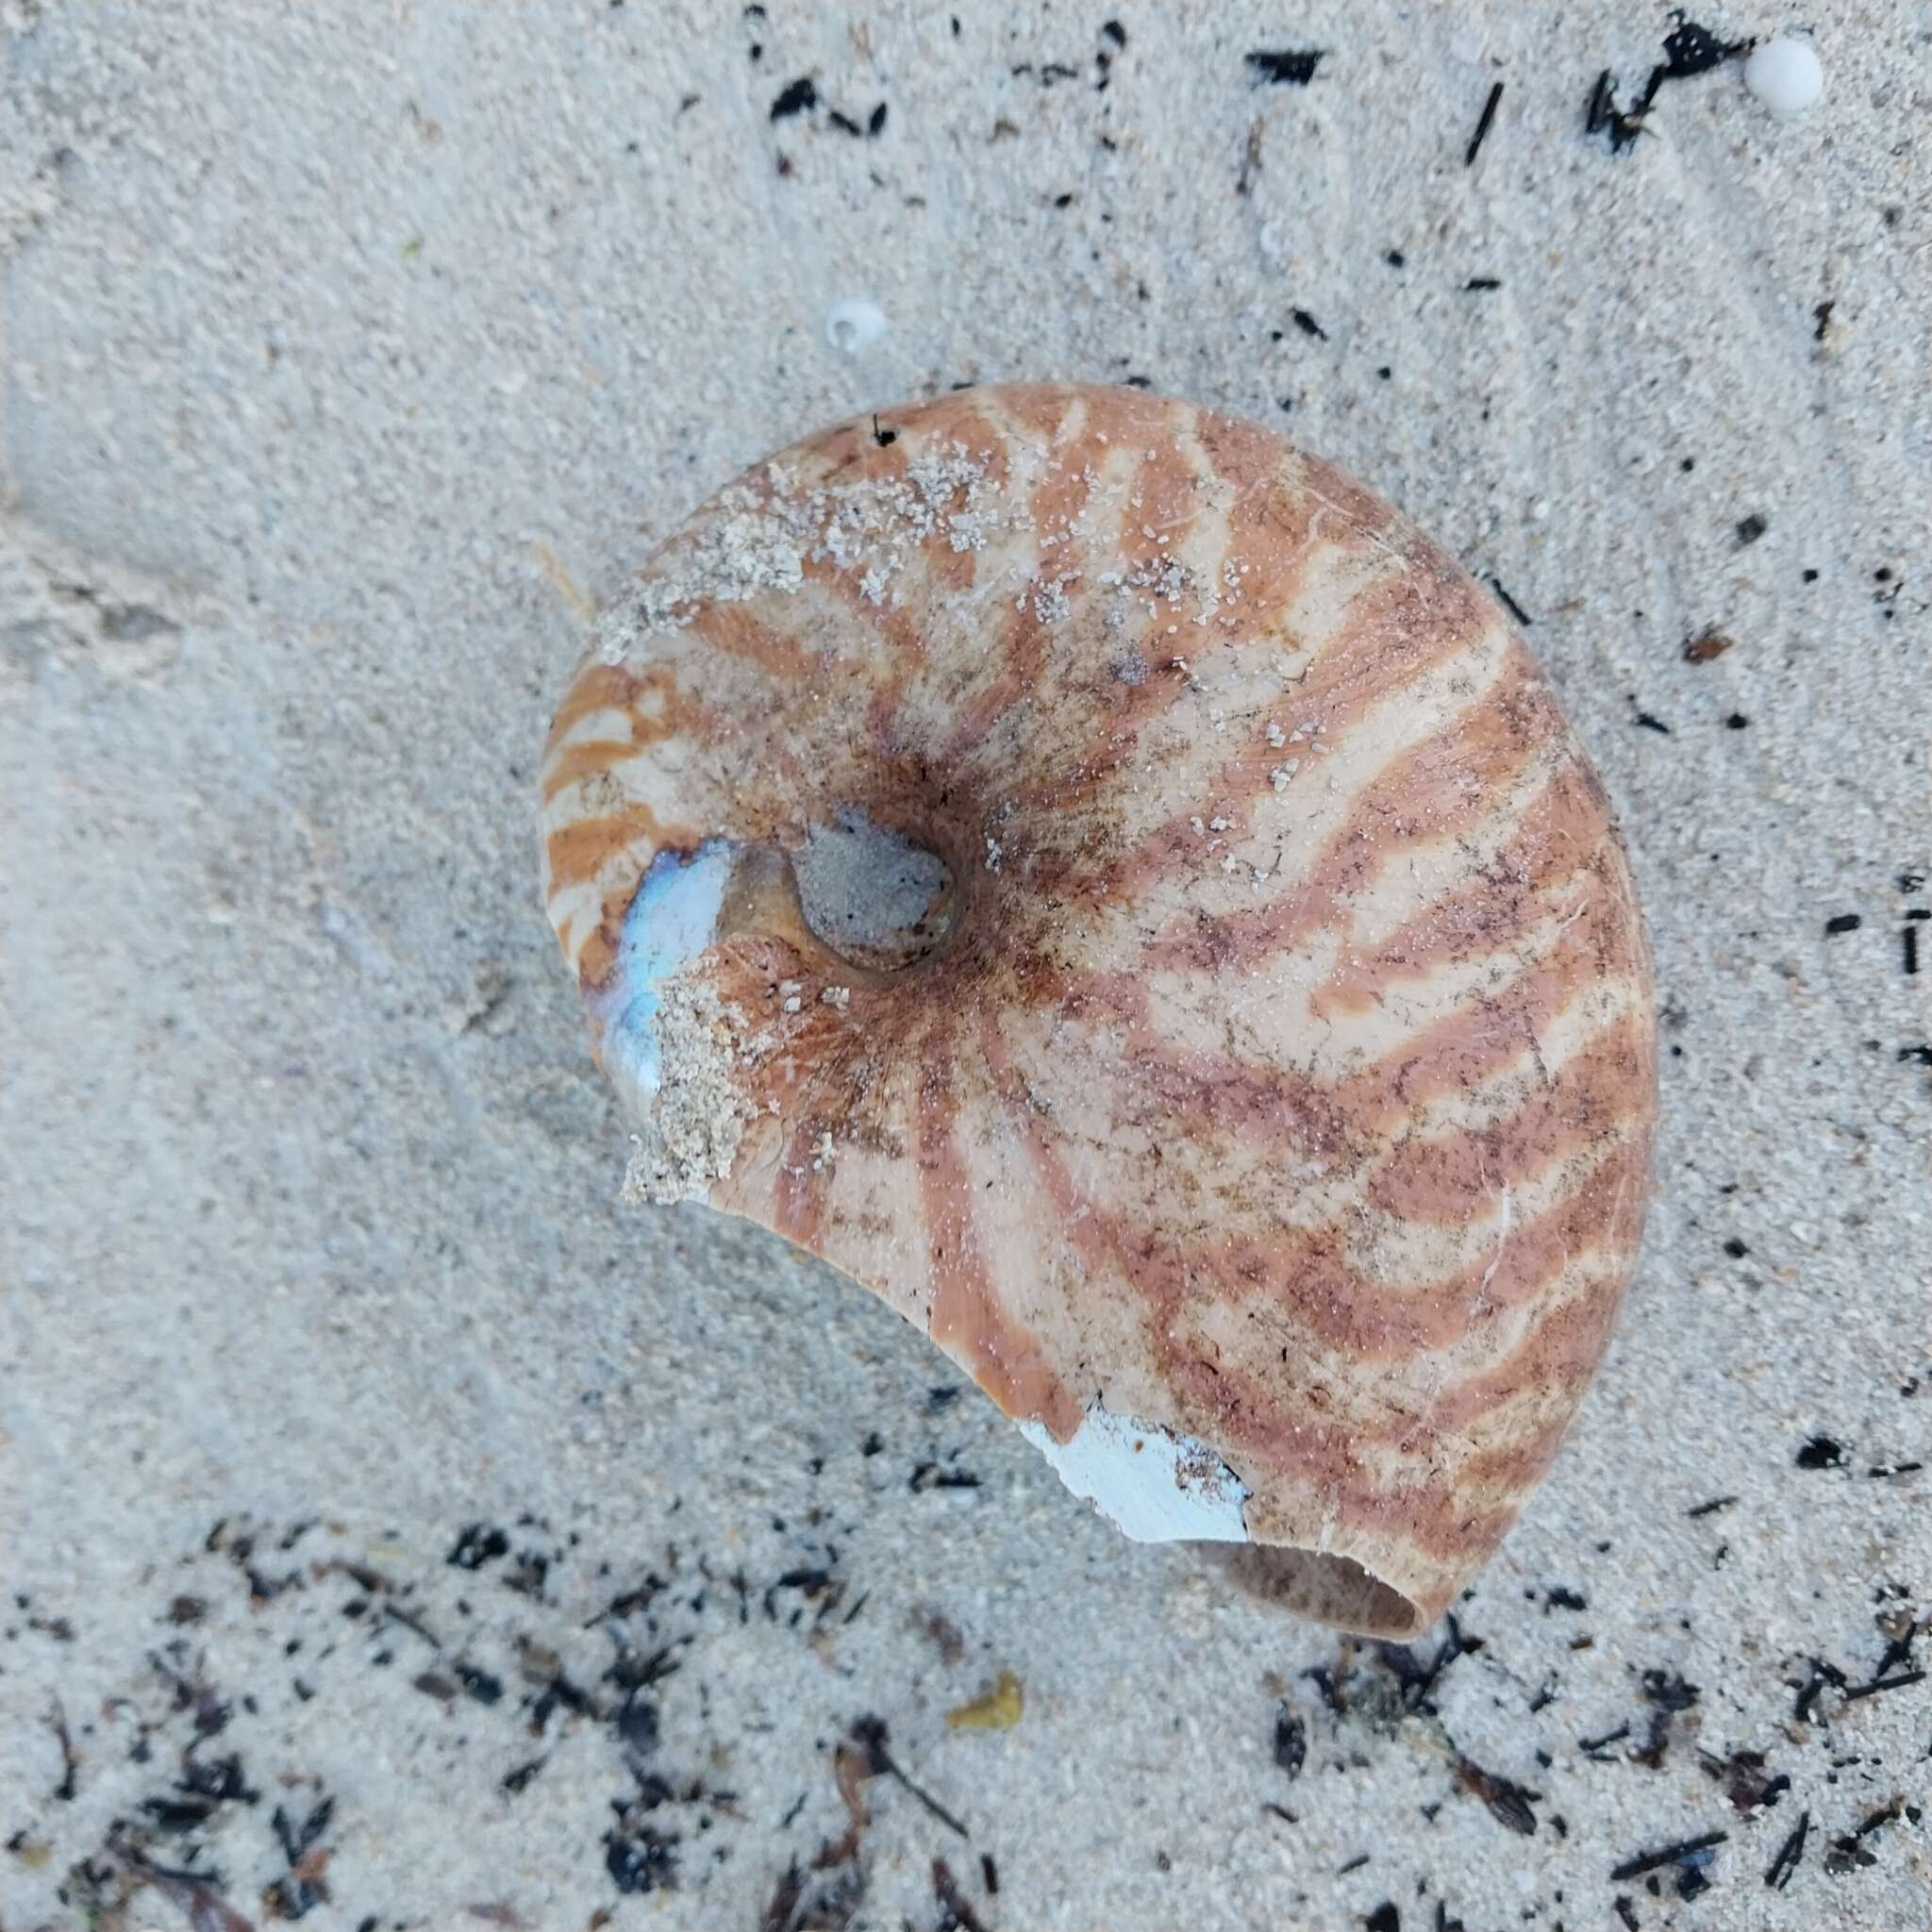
{"x": 339, "y": 338}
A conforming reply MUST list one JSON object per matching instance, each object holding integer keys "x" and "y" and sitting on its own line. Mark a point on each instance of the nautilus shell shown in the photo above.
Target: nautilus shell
{"x": 1116, "y": 889}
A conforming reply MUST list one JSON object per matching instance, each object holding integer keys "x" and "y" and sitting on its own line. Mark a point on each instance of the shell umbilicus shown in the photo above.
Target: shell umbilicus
{"x": 1115, "y": 888}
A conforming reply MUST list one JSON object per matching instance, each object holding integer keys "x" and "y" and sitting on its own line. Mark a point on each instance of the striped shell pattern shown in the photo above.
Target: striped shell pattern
{"x": 1113, "y": 886}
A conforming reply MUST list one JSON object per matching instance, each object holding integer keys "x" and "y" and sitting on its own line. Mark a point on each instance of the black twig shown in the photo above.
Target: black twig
{"x": 1482, "y": 127}
{"x": 1667, "y": 1855}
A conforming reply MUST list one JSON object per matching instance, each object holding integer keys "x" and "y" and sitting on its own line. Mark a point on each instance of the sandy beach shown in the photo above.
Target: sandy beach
{"x": 396, "y": 1528}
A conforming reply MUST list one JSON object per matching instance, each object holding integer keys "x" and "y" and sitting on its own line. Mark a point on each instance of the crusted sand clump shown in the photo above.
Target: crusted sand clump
{"x": 698, "y": 1116}
{"x": 759, "y": 537}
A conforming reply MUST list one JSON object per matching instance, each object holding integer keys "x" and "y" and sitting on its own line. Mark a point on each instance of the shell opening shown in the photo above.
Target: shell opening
{"x": 871, "y": 895}
{"x": 1318, "y": 1583}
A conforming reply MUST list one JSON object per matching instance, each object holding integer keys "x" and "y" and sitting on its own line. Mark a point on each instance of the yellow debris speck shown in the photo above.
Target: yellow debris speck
{"x": 998, "y": 1711}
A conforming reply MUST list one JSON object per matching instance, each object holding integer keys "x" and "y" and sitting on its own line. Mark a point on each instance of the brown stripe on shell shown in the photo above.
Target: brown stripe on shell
{"x": 1026, "y": 638}
{"x": 1393, "y": 633}
{"x": 1434, "y": 790}
{"x": 966, "y": 1317}
{"x": 1561, "y": 834}
{"x": 1298, "y": 1113}
{"x": 732, "y": 629}
{"x": 579, "y": 851}
{"x": 1348, "y": 1309}
{"x": 595, "y": 688}
{"x": 1594, "y": 1093}
{"x": 1301, "y": 1445}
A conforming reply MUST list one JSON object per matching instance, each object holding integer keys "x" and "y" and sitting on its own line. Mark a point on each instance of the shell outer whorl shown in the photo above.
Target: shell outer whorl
{"x": 1227, "y": 1024}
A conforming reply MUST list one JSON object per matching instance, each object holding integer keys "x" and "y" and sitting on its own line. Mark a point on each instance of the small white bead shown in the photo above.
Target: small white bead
{"x": 853, "y": 324}
{"x": 1785, "y": 75}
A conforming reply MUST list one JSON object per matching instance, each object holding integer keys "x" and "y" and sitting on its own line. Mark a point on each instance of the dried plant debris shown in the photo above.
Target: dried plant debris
{"x": 565, "y": 1677}
{"x": 1688, "y": 49}
{"x": 957, "y": 1912}
{"x": 1509, "y": 602}
{"x": 1375, "y": 1697}
{"x": 1291, "y": 1741}
{"x": 1686, "y": 1852}
{"x": 1389, "y": 1691}
{"x": 1747, "y": 1780}
{"x": 1285, "y": 66}
{"x": 528, "y": 1653}
{"x": 1706, "y": 644}
{"x": 1510, "y": 1804}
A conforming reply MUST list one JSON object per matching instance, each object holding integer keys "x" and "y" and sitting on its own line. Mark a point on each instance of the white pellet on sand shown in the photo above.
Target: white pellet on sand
{"x": 853, "y": 324}
{"x": 1785, "y": 74}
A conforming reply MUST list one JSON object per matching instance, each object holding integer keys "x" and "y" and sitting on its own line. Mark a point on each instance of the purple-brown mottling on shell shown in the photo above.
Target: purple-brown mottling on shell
{"x": 1113, "y": 886}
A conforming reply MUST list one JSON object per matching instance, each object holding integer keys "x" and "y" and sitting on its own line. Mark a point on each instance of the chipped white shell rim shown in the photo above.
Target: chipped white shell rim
{"x": 1157, "y": 1485}
{"x": 1152, "y": 1484}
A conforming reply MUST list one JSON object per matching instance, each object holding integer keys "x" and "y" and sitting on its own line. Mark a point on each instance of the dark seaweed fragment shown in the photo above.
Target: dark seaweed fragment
{"x": 796, "y": 99}
{"x": 956, "y": 1911}
{"x": 1748, "y": 1785}
{"x": 1509, "y": 602}
{"x": 481, "y": 1685}
{"x": 1808, "y": 1692}
{"x": 1688, "y": 49}
{"x": 297, "y": 1894}
{"x": 1668, "y": 1691}
{"x": 781, "y": 1909}
{"x": 869, "y": 1735}
{"x": 1790, "y": 1855}
{"x": 1285, "y": 67}
{"x": 638, "y": 1856}
{"x": 477, "y": 1545}
{"x": 1291, "y": 1742}
{"x": 1848, "y": 1853}
{"x": 1901, "y": 1681}
{"x": 929, "y": 1475}
{"x": 1415, "y": 1676}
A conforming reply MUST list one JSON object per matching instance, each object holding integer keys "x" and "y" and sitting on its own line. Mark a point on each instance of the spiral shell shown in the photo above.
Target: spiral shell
{"x": 1116, "y": 889}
